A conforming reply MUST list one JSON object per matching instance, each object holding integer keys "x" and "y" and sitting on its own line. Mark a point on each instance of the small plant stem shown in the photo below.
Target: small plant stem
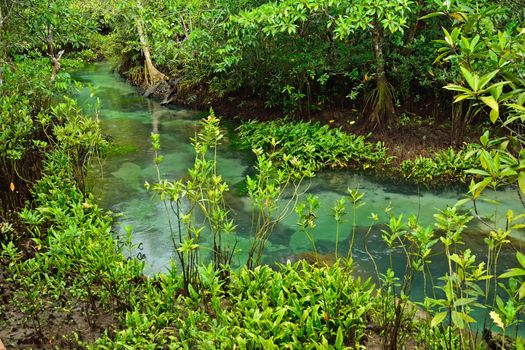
{"x": 336, "y": 239}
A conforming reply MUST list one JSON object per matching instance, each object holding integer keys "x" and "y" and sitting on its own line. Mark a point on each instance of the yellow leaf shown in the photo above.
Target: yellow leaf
{"x": 12, "y": 187}
{"x": 497, "y": 320}
{"x": 458, "y": 16}
{"x": 86, "y": 205}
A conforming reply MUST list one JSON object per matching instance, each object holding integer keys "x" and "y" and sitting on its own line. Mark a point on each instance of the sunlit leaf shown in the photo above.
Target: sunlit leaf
{"x": 521, "y": 182}
{"x": 497, "y": 320}
{"x": 438, "y": 318}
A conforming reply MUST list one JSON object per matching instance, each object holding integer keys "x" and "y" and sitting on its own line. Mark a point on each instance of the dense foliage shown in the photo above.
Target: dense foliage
{"x": 36, "y": 119}
{"x": 446, "y": 166}
{"x": 61, "y": 263}
{"x": 319, "y": 146}
{"x": 304, "y": 56}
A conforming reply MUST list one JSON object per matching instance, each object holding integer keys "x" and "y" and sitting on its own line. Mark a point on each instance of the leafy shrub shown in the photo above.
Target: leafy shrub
{"x": 319, "y": 146}
{"x": 36, "y": 118}
{"x": 261, "y": 308}
{"x": 446, "y": 166}
{"x": 76, "y": 264}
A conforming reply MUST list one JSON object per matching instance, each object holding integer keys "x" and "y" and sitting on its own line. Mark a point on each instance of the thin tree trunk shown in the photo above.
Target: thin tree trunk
{"x": 382, "y": 101}
{"x": 152, "y": 74}
{"x": 2, "y": 53}
{"x": 55, "y": 59}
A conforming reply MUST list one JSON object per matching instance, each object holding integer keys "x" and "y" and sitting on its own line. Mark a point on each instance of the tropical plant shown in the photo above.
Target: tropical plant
{"x": 318, "y": 146}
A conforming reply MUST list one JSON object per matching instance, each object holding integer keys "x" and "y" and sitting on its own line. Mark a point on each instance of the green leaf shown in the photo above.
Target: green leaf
{"x": 470, "y": 78}
{"x": 477, "y": 172}
{"x": 433, "y": 14}
{"x": 339, "y": 339}
{"x": 514, "y": 272}
{"x": 457, "y": 320}
{"x": 494, "y": 115}
{"x": 455, "y": 87}
{"x": 486, "y": 78}
{"x": 521, "y": 182}
{"x": 448, "y": 38}
{"x": 461, "y": 98}
{"x": 520, "y": 344}
{"x": 491, "y": 102}
{"x": 464, "y": 301}
{"x": 484, "y": 139}
{"x": 438, "y": 318}
{"x": 521, "y": 291}
{"x": 476, "y": 188}
{"x": 521, "y": 258}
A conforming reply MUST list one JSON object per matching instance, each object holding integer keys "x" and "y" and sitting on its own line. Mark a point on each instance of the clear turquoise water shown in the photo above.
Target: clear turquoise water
{"x": 118, "y": 183}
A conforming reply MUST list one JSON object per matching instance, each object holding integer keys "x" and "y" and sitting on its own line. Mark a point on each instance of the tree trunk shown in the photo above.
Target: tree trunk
{"x": 460, "y": 120}
{"x": 152, "y": 74}
{"x": 55, "y": 59}
{"x": 382, "y": 99}
{"x": 2, "y": 41}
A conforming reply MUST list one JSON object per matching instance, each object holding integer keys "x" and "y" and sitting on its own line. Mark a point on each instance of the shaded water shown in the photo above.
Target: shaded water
{"x": 119, "y": 185}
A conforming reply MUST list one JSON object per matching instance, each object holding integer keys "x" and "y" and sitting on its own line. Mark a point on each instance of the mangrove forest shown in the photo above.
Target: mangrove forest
{"x": 262, "y": 174}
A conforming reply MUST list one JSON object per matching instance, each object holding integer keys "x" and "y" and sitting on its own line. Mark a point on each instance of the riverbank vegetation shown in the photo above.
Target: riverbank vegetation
{"x": 68, "y": 281}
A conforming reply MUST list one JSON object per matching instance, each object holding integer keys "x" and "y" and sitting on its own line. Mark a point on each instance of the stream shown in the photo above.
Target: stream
{"x": 118, "y": 184}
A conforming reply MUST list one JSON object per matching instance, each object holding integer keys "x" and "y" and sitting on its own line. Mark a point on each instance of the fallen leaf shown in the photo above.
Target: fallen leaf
{"x": 12, "y": 187}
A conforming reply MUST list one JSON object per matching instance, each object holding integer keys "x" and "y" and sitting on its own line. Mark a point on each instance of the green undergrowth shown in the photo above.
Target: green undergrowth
{"x": 323, "y": 147}
{"x": 444, "y": 167}
{"x": 77, "y": 266}
{"x": 297, "y": 305}
{"x": 319, "y": 146}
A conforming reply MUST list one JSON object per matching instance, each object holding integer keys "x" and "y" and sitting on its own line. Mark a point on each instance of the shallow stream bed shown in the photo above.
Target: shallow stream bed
{"x": 118, "y": 183}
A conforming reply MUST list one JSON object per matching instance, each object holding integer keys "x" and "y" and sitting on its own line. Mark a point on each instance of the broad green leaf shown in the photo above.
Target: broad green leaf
{"x": 455, "y": 87}
{"x": 486, "y": 78}
{"x": 521, "y": 258}
{"x": 494, "y": 115}
{"x": 521, "y": 291}
{"x": 476, "y": 188}
{"x": 521, "y": 182}
{"x": 484, "y": 139}
{"x": 477, "y": 172}
{"x": 438, "y": 318}
{"x": 470, "y": 78}
{"x": 461, "y": 98}
{"x": 491, "y": 102}
{"x": 507, "y": 172}
{"x": 433, "y": 14}
{"x": 339, "y": 339}
{"x": 514, "y": 272}
{"x": 464, "y": 301}
{"x": 457, "y": 320}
